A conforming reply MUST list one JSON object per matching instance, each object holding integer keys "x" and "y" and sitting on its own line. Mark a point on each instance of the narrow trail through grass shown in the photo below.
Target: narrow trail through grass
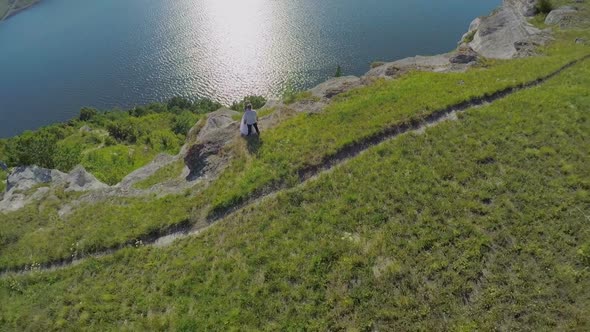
{"x": 186, "y": 228}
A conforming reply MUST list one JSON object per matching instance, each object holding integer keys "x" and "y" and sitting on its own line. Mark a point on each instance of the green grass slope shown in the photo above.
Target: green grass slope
{"x": 295, "y": 143}
{"x": 475, "y": 224}
{"x": 164, "y": 174}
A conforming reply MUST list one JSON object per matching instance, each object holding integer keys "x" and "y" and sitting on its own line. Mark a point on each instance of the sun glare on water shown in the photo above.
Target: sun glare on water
{"x": 237, "y": 48}
{"x": 239, "y": 43}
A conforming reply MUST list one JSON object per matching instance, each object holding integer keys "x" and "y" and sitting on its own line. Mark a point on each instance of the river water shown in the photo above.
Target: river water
{"x": 62, "y": 55}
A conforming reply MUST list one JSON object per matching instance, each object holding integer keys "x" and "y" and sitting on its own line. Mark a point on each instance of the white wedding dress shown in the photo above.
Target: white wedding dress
{"x": 243, "y": 126}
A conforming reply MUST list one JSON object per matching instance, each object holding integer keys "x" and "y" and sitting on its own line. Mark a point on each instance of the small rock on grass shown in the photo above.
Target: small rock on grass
{"x": 561, "y": 16}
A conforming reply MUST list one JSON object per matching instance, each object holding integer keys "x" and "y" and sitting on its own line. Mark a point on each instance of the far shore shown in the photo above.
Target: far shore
{"x": 12, "y": 11}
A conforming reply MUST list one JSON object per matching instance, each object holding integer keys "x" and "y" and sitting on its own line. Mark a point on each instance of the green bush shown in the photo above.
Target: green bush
{"x": 67, "y": 157}
{"x": 179, "y": 102}
{"x": 92, "y": 138}
{"x": 338, "y": 71}
{"x": 183, "y": 123}
{"x": 204, "y": 105}
{"x": 115, "y": 115}
{"x": 3, "y": 143}
{"x": 157, "y": 107}
{"x": 42, "y": 148}
{"x": 124, "y": 131}
{"x": 33, "y": 148}
{"x": 110, "y": 141}
{"x": 60, "y": 131}
{"x": 87, "y": 114}
{"x": 256, "y": 101}
{"x": 140, "y": 111}
{"x": 289, "y": 93}
{"x": 544, "y": 6}
{"x": 198, "y": 106}
{"x": 163, "y": 140}
{"x": 176, "y": 110}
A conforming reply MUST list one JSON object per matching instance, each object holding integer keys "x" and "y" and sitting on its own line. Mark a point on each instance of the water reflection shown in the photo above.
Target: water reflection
{"x": 240, "y": 44}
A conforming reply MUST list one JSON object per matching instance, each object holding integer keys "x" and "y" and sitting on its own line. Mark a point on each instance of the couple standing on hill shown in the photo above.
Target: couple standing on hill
{"x": 249, "y": 120}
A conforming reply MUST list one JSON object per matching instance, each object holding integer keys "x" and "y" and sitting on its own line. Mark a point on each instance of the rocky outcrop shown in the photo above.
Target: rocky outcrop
{"x": 27, "y": 177}
{"x": 29, "y": 183}
{"x": 563, "y": 16}
{"x": 504, "y": 34}
{"x": 216, "y": 121}
{"x": 24, "y": 178}
{"x": 16, "y": 200}
{"x": 498, "y": 35}
{"x": 26, "y": 184}
{"x": 464, "y": 55}
{"x": 80, "y": 180}
{"x": 455, "y": 61}
{"x": 205, "y": 157}
{"x": 335, "y": 86}
{"x": 527, "y": 8}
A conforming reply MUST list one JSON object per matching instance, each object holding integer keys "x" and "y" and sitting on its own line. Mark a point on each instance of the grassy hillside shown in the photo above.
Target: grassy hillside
{"x": 166, "y": 173}
{"x": 36, "y": 236}
{"x": 479, "y": 223}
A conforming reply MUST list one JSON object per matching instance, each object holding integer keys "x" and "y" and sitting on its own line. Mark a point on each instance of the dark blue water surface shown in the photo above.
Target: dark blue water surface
{"x": 61, "y": 55}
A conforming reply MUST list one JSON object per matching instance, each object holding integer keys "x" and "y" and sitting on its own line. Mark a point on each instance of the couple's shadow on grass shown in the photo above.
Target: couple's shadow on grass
{"x": 253, "y": 143}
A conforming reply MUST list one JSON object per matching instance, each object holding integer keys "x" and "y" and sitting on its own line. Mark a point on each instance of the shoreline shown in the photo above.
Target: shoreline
{"x": 11, "y": 12}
